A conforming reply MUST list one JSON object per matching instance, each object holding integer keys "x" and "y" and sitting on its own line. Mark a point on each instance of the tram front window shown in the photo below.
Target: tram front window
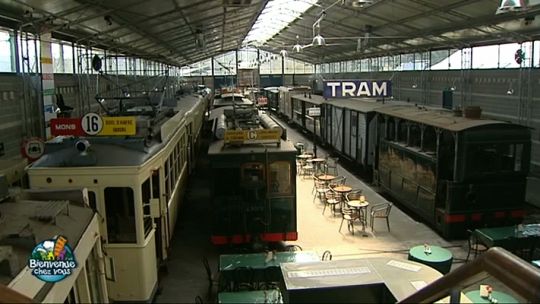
{"x": 120, "y": 209}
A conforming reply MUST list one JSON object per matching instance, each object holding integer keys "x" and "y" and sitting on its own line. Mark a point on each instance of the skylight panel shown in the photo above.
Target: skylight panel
{"x": 277, "y": 15}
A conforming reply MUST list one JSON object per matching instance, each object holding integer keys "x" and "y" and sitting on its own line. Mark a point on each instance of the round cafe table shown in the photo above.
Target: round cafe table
{"x": 439, "y": 258}
{"x": 501, "y": 297}
{"x": 361, "y": 207}
{"x": 316, "y": 162}
{"x": 326, "y": 177}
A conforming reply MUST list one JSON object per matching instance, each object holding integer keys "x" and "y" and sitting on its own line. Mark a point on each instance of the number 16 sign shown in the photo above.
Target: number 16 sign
{"x": 92, "y": 123}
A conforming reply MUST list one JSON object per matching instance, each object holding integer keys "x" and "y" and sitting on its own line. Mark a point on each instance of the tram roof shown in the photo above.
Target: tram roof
{"x": 440, "y": 118}
{"x": 218, "y": 148}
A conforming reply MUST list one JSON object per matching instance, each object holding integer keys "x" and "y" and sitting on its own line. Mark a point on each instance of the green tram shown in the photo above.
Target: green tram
{"x": 254, "y": 180}
{"x": 454, "y": 172}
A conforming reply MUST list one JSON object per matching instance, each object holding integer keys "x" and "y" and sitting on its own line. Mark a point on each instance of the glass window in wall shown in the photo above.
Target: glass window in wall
{"x": 466, "y": 58}
{"x": 121, "y": 65}
{"x": 440, "y": 60}
{"x": 536, "y": 54}
{"x": 225, "y": 64}
{"x": 67, "y": 52}
{"x": 421, "y": 61}
{"x": 309, "y": 68}
{"x": 247, "y": 58}
{"x": 407, "y": 62}
{"x": 454, "y": 59}
{"x": 364, "y": 65}
{"x": 270, "y": 63}
{"x": 485, "y": 57}
{"x": 58, "y": 62}
{"x": 5, "y": 52}
{"x": 28, "y": 48}
{"x": 289, "y": 65}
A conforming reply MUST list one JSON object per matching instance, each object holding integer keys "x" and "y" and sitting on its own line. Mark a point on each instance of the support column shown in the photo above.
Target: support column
{"x": 47, "y": 81}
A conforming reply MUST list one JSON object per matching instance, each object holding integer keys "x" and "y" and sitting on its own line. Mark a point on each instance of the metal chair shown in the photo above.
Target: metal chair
{"x": 331, "y": 165}
{"x": 350, "y": 215}
{"x": 474, "y": 246}
{"x": 380, "y": 211}
{"x": 332, "y": 199}
{"x": 321, "y": 188}
{"x": 213, "y": 278}
{"x": 293, "y": 247}
{"x": 326, "y": 256}
{"x": 355, "y": 194}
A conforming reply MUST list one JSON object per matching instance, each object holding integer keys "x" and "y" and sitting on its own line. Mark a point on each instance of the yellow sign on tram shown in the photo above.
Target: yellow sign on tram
{"x": 119, "y": 125}
{"x": 253, "y": 136}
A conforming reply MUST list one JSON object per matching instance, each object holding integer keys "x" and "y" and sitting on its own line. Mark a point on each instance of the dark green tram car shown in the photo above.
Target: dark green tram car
{"x": 454, "y": 172}
{"x": 254, "y": 189}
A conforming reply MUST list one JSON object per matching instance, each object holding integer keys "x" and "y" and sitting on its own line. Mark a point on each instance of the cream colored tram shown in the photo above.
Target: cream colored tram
{"x": 135, "y": 185}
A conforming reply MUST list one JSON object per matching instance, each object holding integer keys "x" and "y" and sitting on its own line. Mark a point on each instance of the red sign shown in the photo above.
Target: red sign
{"x": 66, "y": 126}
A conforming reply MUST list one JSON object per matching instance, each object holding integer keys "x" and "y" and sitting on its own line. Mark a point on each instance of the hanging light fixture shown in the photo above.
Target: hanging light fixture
{"x": 510, "y": 6}
{"x": 283, "y": 53}
{"x": 297, "y": 47}
{"x": 318, "y": 40}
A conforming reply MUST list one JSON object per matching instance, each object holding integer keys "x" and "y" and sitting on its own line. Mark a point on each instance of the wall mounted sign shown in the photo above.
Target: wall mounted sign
{"x": 357, "y": 88}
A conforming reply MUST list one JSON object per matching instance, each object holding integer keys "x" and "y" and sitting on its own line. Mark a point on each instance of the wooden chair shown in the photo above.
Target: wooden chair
{"x": 355, "y": 194}
{"x": 474, "y": 246}
{"x": 380, "y": 211}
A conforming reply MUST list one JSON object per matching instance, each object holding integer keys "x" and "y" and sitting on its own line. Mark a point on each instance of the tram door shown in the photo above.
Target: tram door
{"x": 162, "y": 235}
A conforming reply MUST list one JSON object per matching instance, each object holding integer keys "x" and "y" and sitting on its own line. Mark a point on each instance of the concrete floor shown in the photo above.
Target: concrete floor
{"x": 186, "y": 277}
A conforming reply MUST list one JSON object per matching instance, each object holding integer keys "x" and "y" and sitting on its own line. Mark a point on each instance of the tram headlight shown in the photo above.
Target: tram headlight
{"x": 82, "y": 145}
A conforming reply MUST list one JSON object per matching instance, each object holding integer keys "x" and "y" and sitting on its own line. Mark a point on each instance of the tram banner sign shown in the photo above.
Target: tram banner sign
{"x": 92, "y": 124}
{"x": 357, "y": 88}
{"x": 253, "y": 136}
{"x": 120, "y": 125}
{"x": 66, "y": 127}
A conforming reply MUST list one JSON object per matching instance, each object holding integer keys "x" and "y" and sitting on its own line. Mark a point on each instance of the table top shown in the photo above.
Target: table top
{"x": 342, "y": 189}
{"x": 304, "y": 156}
{"x": 229, "y": 262}
{"x": 256, "y": 296}
{"x": 338, "y": 273}
{"x": 358, "y": 204}
{"x": 507, "y": 236}
{"x": 316, "y": 160}
{"x": 501, "y": 297}
{"x": 326, "y": 177}
{"x": 437, "y": 255}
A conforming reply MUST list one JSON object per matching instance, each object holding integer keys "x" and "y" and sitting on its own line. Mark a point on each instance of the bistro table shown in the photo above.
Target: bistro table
{"x": 343, "y": 190}
{"x": 263, "y": 268}
{"x": 361, "y": 207}
{"x": 501, "y": 297}
{"x": 439, "y": 258}
{"x": 510, "y": 238}
{"x": 257, "y": 296}
{"x": 316, "y": 162}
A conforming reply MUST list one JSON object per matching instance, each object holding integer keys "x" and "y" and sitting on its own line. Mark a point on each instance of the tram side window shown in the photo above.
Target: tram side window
{"x": 120, "y": 208}
{"x": 145, "y": 195}
{"x": 280, "y": 178}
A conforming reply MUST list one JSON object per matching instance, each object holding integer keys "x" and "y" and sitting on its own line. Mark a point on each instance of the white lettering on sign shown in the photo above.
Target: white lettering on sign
{"x": 348, "y": 88}
{"x": 333, "y": 85}
{"x": 65, "y": 127}
{"x": 363, "y": 90}
{"x": 379, "y": 90}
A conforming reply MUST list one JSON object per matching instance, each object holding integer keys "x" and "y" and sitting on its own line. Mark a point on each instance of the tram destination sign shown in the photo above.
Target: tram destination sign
{"x": 357, "y": 88}
{"x": 93, "y": 124}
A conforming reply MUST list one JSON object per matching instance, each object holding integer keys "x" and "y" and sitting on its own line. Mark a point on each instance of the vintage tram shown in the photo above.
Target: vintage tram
{"x": 135, "y": 184}
{"x": 456, "y": 173}
{"x": 254, "y": 179}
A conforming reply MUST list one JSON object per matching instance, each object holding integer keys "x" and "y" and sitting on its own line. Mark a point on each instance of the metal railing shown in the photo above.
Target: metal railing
{"x": 520, "y": 276}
